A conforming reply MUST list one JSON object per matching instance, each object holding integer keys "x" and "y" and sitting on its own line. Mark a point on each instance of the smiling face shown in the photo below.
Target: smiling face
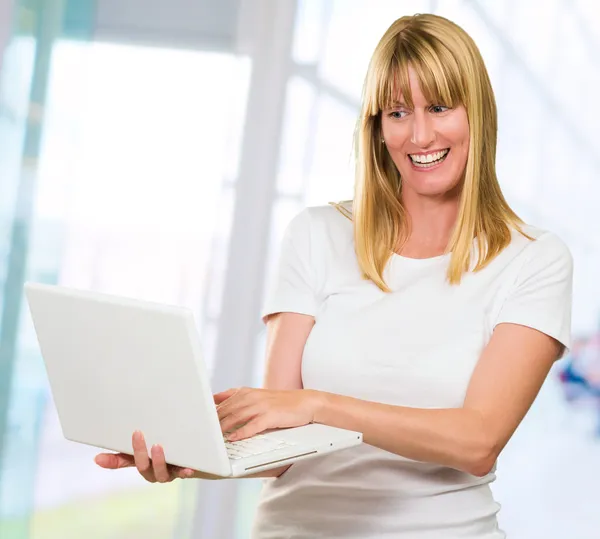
{"x": 428, "y": 142}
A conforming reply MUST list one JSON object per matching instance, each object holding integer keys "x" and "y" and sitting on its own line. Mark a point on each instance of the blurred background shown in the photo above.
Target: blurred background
{"x": 158, "y": 148}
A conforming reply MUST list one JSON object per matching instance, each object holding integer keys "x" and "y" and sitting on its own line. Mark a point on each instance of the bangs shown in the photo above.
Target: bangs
{"x": 437, "y": 71}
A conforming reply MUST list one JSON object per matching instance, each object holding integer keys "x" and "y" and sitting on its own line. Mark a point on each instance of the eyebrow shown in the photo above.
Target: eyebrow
{"x": 397, "y": 104}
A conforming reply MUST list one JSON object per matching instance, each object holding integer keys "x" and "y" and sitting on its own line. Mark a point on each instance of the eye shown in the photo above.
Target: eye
{"x": 397, "y": 114}
{"x": 439, "y": 108}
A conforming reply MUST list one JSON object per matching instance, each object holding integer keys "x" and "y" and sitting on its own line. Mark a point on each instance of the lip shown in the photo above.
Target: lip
{"x": 429, "y": 152}
{"x": 428, "y": 169}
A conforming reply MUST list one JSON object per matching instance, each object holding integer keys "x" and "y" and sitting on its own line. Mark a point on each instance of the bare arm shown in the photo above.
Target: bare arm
{"x": 502, "y": 388}
{"x": 504, "y": 384}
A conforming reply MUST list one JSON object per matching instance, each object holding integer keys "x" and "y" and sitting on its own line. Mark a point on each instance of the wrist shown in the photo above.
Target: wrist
{"x": 319, "y": 405}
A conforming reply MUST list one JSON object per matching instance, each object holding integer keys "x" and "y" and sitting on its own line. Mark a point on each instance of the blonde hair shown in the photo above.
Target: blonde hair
{"x": 451, "y": 72}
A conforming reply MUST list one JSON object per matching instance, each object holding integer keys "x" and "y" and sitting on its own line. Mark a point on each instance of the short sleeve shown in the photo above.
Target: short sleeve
{"x": 541, "y": 296}
{"x": 294, "y": 287}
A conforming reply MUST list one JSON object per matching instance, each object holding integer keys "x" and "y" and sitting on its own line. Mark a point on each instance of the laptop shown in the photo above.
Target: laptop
{"x": 116, "y": 365}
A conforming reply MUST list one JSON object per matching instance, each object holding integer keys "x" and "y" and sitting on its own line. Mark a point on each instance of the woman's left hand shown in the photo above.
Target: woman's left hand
{"x": 261, "y": 409}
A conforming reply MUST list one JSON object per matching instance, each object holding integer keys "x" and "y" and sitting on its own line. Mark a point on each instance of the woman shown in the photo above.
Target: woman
{"x": 423, "y": 314}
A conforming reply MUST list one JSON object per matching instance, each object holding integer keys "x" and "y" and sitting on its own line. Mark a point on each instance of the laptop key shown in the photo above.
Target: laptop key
{"x": 256, "y": 445}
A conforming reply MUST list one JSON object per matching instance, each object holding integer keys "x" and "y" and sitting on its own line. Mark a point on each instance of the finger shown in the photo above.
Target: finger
{"x": 141, "y": 458}
{"x": 239, "y": 418}
{"x": 224, "y": 395}
{"x": 236, "y": 392}
{"x": 185, "y": 473}
{"x": 237, "y": 402}
{"x": 114, "y": 461}
{"x": 238, "y": 421}
{"x": 253, "y": 427}
{"x": 159, "y": 465}
{"x": 179, "y": 472}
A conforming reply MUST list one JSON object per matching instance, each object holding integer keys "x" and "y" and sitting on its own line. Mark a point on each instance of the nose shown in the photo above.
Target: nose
{"x": 423, "y": 133}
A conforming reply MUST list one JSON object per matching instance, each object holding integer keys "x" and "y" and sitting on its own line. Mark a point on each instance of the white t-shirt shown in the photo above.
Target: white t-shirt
{"x": 416, "y": 346}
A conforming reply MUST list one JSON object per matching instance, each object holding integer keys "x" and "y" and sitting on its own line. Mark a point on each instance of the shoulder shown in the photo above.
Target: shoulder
{"x": 531, "y": 251}
{"x": 534, "y": 253}
{"x": 331, "y": 222}
{"x": 325, "y": 236}
{"x": 332, "y": 215}
{"x": 543, "y": 247}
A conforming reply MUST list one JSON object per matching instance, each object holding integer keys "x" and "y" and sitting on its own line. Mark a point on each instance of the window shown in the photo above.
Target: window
{"x": 139, "y": 145}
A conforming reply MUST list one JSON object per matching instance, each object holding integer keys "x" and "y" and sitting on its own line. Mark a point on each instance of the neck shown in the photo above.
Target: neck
{"x": 431, "y": 223}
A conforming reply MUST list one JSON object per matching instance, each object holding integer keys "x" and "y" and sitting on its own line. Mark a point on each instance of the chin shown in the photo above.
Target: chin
{"x": 432, "y": 188}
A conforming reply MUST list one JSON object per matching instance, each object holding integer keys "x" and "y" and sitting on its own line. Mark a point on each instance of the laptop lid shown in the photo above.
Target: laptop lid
{"x": 116, "y": 365}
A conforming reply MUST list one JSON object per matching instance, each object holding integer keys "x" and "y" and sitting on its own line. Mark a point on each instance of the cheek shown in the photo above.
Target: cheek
{"x": 393, "y": 134}
{"x": 396, "y": 150}
{"x": 396, "y": 146}
{"x": 462, "y": 149}
{"x": 461, "y": 146}
{"x": 393, "y": 142}
{"x": 457, "y": 137}
{"x": 457, "y": 131}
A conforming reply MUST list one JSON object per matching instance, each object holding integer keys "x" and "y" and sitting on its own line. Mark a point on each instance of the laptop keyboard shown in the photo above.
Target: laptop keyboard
{"x": 257, "y": 445}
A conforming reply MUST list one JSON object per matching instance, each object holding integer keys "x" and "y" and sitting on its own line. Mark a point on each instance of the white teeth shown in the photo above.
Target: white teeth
{"x": 428, "y": 158}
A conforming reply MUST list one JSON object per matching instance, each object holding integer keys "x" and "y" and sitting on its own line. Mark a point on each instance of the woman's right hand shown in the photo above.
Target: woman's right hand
{"x": 153, "y": 468}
